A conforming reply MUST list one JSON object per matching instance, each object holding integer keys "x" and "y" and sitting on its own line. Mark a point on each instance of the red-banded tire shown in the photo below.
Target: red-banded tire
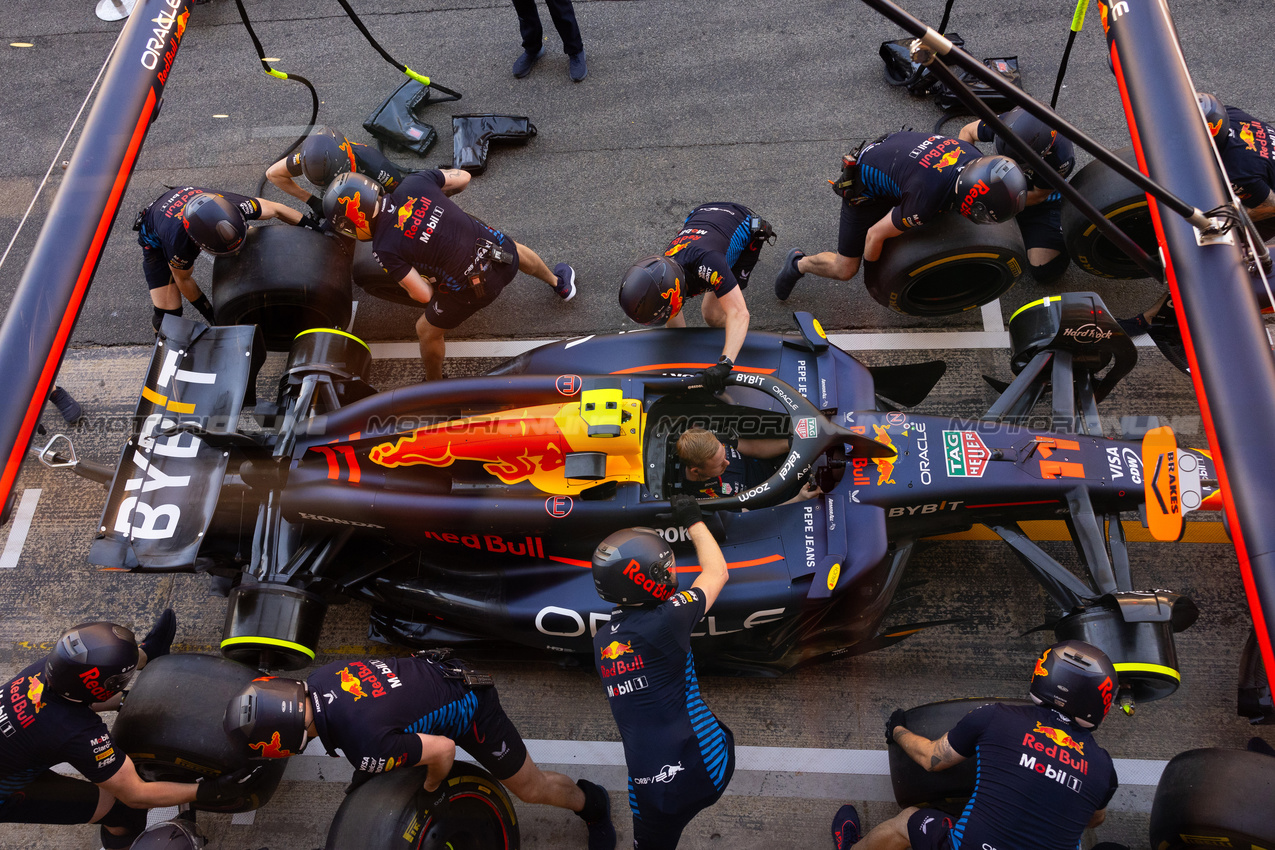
{"x": 947, "y": 790}
{"x": 388, "y": 812}
{"x": 1121, "y": 203}
{"x": 284, "y": 280}
{"x": 373, "y": 280}
{"x": 1215, "y": 798}
{"x": 948, "y": 266}
{"x": 170, "y": 726}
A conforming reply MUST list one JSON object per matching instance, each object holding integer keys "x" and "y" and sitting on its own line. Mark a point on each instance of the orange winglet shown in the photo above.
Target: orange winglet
{"x": 1160, "y": 482}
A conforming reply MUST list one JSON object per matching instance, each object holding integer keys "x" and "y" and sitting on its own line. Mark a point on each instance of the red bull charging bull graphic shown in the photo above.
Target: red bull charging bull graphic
{"x": 271, "y": 749}
{"x": 350, "y": 684}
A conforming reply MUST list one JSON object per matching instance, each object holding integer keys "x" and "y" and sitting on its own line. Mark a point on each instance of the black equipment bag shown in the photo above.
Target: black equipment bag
{"x": 395, "y": 121}
{"x": 900, "y": 70}
{"x": 473, "y": 134}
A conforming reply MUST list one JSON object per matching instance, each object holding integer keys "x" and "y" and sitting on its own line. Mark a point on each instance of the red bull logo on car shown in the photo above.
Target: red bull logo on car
{"x": 885, "y": 465}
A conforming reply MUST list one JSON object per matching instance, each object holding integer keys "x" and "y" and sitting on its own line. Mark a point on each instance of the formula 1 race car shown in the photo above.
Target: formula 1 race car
{"x": 466, "y": 511}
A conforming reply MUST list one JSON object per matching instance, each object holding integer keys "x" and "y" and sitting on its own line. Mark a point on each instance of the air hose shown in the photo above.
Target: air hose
{"x": 420, "y": 78}
{"x": 265, "y": 64}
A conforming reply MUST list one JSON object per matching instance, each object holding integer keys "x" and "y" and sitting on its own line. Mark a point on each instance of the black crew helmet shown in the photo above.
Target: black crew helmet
{"x": 1076, "y": 678}
{"x": 91, "y": 662}
{"x": 267, "y": 718}
{"x": 350, "y": 202}
{"x": 1038, "y": 135}
{"x": 214, "y": 223}
{"x": 991, "y": 189}
{"x": 1215, "y": 116}
{"x": 651, "y": 292}
{"x": 324, "y": 155}
{"x": 176, "y": 834}
{"x": 634, "y": 567}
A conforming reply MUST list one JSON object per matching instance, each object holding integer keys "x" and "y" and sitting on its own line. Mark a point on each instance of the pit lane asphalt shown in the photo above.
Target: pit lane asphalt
{"x": 745, "y": 103}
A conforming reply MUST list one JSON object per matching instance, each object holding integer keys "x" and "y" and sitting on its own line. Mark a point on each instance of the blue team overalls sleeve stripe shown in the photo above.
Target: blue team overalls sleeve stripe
{"x": 712, "y": 740}
{"x": 738, "y": 242}
{"x": 878, "y": 183}
{"x": 633, "y": 801}
{"x": 452, "y": 720}
{"x": 958, "y": 829}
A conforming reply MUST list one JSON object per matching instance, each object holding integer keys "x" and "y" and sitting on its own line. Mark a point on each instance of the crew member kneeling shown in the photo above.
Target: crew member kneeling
{"x": 899, "y": 182}
{"x": 1042, "y": 778}
{"x": 395, "y": 712}
{"x": 713, "y": 254}
{"x": 680, "y": 757}
{"x": 443, "y": 257}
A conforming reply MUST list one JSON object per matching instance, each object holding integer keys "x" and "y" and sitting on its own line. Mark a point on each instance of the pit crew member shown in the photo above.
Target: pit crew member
{"x": 712, "y": 468}
{"x": 899, "y": 182}
{"x": 443, "y": 257}
{"x": 321, "y": 157}
{"x": 179, "y": 224}
{"x": 394, "y": 712}
{"x": 680, "y": 757}
{"x": 1041, "y": 220}
{"x": 47, "y": 716}
{"x": 1039, "y": 759}
{"x": 1247, "y": 148}
{"x": 713, "y": 254}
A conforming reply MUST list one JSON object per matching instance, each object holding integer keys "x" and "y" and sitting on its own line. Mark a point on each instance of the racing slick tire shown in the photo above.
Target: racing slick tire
{"x": 387, "y": 812}
{"x": 272, "y": 625}
{"x": 948, "y": 266}
{"x": 947, "y": 790}
{"x": 170, "y": 726}
{"x": 284, "y": 280}
{"x": 1215, "y": 798}
{"x": 373, "y": 280}
{"x": 1144, "y": 653}
{"x": 1121, "y": 203}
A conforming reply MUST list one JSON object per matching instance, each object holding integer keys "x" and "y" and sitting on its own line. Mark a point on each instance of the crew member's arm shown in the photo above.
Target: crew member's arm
{"x": 678, "y": 321}
{"x": 1265, "y": 209}
{"x": 737, "y": 318}
{"x": 279, "y": 175}
{"x": 1036, "y": 196}
{"x": 877, "y": 234}
{"x": 931, "y": 755}
{"x": 131, "y": 790}
{"x": 417, "y": 287}
{"x": 437, "y": 753}
{"x": 454, "y": 180}
{"x": 764, "y": 448}
{"x": 969, "y": 133}
{"x": 186, "y": 284}
{"x": 269, "y": 209}
{"x": 1097, "y": 819}
{"x": 807, "y": 492}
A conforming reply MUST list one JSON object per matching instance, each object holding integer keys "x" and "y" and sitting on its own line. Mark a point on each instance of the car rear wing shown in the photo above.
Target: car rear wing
{"x": 171, "y": 471}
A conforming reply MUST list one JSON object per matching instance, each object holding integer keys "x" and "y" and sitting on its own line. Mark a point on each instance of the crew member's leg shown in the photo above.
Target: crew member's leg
{"x": 1041, "y": 226}
{"x": 166, "y": 299}
{"x": 842, "y": 264}
{"x": 532, "y": 37}
{"x": 562, "y": 278}
{"x": 433, "y": 347}
{"x": 56, "y": 799}
{"x": 564, "y": 20}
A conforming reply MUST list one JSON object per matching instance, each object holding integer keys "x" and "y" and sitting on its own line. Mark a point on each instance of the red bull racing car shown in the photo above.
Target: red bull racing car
{"x": 466, "y": 511}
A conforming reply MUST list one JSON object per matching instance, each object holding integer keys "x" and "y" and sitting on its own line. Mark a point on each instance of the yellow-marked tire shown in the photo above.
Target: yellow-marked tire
{"x": 1144, "y": 653}
{"x": 170, "y": 726}
{"x": 1215, "y": 798}
{"x": 388, "y": 812}
{"x": 947, "y": 266}
{"x": 947, "y": 790}
{"x": 272, "y": 626}
{"x": 1121, "y": 203}
{"x": 284, "y": 280}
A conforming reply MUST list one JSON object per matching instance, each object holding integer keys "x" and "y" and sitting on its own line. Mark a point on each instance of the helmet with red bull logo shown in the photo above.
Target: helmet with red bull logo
{"x": 1215, "y": 116}
{"x": 323, "y": 158}
{"x": 634, "y": 567}
{"x": 1076, "y": 678}
{"x": 215, "y": 224}
{"x": 267, "y": 718}
{"x": 350, "y": 204}
{"x": 652, "y": 290}
{"x": 91, "y": 662}
{"x": 991, "y": 189}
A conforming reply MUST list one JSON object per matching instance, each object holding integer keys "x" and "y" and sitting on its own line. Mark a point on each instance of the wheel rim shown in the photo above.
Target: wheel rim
{"x": 1110, "y": 259}
{"x": 954, "y": 289}
{"x": 473, "y": 822}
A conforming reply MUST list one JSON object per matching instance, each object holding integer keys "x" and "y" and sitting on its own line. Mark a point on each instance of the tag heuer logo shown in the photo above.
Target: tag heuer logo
{"x": 807, "y": 428}
{"x": 965, "y": 454}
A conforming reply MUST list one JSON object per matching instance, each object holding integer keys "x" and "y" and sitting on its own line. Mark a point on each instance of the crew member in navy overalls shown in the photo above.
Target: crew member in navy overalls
{"x": 1042, "y": 778}
{"x": 713, "y": 254}
{"x": 321, "y": 157}
{"x": 1041, "y": 221}
{"x": 680, "y": 757}
{"x": 900, "y": 182}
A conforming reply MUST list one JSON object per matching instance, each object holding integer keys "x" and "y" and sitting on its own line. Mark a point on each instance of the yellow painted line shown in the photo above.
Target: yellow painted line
{"x": 1056, "y": 529}
{"x": 1132, "y": 667}
{"x": 929, "y": 266}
